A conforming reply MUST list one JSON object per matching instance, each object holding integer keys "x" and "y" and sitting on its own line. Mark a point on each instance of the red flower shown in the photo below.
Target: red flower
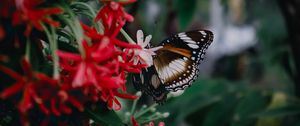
{"x": 39, "y": 88}
{"x": 28, "y": 13}
{"x": 152, "y": 124}
{"x": 113, "y": 16}
{"x": 97, "y": 38}
{"x": 23, "y": 84}
{"x": 99, "y": 73}
{"x": 86, "y": 69}
{"x": 5, "y": 7}
{"x": 2, "y": 32}
{"x": 134, "y": 122}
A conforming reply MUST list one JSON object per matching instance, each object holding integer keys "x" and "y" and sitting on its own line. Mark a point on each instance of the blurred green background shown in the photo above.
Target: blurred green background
{"x": 250, "y": 76}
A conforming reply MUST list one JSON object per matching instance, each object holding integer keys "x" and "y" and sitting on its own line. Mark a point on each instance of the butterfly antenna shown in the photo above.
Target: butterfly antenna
{"x": 156, "y": 29}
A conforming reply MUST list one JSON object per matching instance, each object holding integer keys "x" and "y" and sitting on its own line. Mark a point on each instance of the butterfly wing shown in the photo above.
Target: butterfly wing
{"x": 177, "y": 63}
{"x": 149, "y": 83}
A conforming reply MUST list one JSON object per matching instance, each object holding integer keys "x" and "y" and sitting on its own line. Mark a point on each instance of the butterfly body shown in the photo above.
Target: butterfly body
{"x": 176, "y": 63}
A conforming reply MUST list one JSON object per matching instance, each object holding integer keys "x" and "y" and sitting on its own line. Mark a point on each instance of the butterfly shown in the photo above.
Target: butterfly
{"x": 175, "y": 65}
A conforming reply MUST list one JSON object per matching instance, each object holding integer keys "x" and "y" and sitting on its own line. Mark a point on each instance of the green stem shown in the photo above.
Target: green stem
{"x": 27, "y": 52}
{"x": 99, "y": 26}
{"x": 152, "y": 119}
{"x": 54, "y": 55}
{"x": 133, "y": 107}
{"x": 75, "y": 26}
{"x": 51, "y": 35}
{"x": 85, "y": 5}
{"x": 154, "y": 115}
{"x": 145, "y": 110}
{"x": 129, "y": 39}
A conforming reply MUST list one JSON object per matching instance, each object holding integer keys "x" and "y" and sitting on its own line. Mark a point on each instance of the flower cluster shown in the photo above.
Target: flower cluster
{"x": 27, "y": 12}
{"x": 96, "y": 74}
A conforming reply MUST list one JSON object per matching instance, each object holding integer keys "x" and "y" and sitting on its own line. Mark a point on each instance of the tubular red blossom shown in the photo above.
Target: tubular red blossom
{"x": 134, "y": 122}
{"x": 39, "y": 88}
{"x": 110, "y": 103}
{"x": 76, "y": 103}
{"x": 161, "y": 124}
{"x": 2, "y": 32}
{"x": 151, "y": 123}
{"x": 63, "y": 95}
{"x": 111, "y": 82}
{"x": 65, "y": 109}
{"x": 53, "y": 107}
{"x": 125, "y": 44}
{"x": 11, "y": 73}
{"x": 95, "y": 36}
{"x": 44, "y": 109}
{"x": 15, "y": 88}
{"x": 113, "y": 17}
{"x": 101, "y": 66}
{"x": 26, "y": 68}
{"x": 126, "y": 96}
{"x": 70, "y": 56}
{"x": 26, "y": 103}
{"x": 117, "y": 105}
{"x": 99, "y": 74}
{"x": 28, "y": 13}
{"x": 5, "y": 7}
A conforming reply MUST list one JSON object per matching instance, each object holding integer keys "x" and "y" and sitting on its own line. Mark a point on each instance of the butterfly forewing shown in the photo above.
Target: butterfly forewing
{"x": 177, "y": 62}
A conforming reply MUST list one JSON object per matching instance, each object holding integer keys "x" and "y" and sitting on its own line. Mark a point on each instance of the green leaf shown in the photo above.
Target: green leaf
{"x": 221, "y": 113}
{"x": 104, "y": 117}
{"x": 252, "y": 102}
{"x": 287, "y": 110}
{"x": 186, "y": 10}
{"x": 201, "y": 95}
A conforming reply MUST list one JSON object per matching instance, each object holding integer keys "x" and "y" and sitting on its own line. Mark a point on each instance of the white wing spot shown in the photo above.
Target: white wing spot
{"x": 181, "y": 34}
{"x": 185, "y": 38}
{"x": 185, "y": 59}
{"x": 203, "y": 33}
{"x": 190, "y": 41}
{"x": 193, "y": 46}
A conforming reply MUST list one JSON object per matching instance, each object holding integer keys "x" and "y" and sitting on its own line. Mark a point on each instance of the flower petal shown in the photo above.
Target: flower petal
{"x": 126, "y": 96}
{"x": 69, "y": 56}
{"x": 117, "y": 105}
{"x": 15, "y": 88}
{"x": 147, "y": 41}
{"x": 134, "y": 122}
{"x": 11, "y": 73}
{"x": 140, "y": 37}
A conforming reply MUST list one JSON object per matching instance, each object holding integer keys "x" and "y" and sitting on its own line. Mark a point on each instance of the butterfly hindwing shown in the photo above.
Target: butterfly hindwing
{"x": 149, "y": 83}
{"x": 177, "y": 63}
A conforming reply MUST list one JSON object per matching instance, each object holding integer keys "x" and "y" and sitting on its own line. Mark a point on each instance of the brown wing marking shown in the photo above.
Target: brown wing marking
{"x": 163, "y": 59}
{"x": 180, "y": 51}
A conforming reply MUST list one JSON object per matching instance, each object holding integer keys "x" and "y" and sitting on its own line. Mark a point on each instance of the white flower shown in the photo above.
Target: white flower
{"x": 145, "y": 54}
